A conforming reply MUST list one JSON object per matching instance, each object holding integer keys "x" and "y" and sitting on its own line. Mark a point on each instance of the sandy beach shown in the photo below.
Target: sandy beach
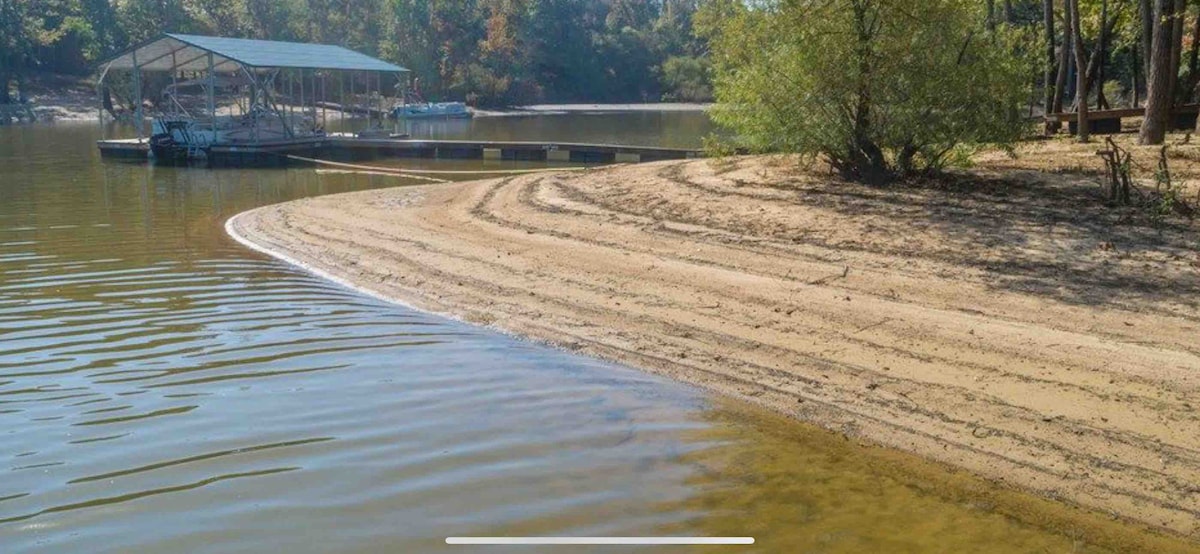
{"x": 1016, "y": 328}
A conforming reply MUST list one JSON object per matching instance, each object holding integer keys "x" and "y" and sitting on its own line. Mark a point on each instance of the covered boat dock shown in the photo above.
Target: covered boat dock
{"x": 281, "y": 92}
{"x": 270, "y": 89}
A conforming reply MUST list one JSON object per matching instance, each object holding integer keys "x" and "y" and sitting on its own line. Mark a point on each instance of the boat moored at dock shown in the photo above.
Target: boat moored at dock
{"x": 269, "y": 93}
{"x": 432, "y": 110}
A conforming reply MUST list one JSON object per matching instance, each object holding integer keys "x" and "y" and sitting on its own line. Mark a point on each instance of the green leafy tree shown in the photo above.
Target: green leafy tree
{"x": 490, "y": 51}
{"x": 145, "y": 19}
{"x": 685, "y": 79}
{"x": 880, "y": 88}
{"x": 408, "y": 40}
{"x": 274, "y": 19}
{"x": 37, "y": 34}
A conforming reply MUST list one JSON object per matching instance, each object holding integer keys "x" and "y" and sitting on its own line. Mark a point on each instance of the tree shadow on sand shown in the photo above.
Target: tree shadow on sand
{"x": 1031, "y": 233}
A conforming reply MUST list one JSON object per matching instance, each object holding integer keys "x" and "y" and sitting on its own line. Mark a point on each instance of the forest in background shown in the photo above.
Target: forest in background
{"x": 1109, "y": 53}
{"x": 487, "y": 52}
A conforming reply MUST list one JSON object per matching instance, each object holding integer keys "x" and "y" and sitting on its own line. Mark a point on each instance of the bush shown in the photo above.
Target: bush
{"x": 880, "y": 88}
{"x": 685, "y": 79}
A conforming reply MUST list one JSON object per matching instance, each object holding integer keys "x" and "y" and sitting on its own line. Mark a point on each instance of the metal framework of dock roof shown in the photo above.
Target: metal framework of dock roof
{"x": 179, "y": 52}
{"x": 266, "y": 66}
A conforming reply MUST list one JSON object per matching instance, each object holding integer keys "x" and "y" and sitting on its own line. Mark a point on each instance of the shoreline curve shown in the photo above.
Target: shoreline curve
{"x": 725, "y": 273}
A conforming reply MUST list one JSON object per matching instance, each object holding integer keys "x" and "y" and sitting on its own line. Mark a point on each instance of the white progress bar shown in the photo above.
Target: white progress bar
{"x": 600, "y": 540}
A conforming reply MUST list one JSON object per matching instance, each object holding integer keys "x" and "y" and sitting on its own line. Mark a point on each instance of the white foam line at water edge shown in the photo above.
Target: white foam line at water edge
{"x": 229, "y": 230}
{"x": 354, "y": 287}
{"x": 599, "y": 540}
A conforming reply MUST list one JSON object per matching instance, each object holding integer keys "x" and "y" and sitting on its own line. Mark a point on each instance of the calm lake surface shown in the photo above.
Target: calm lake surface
{"x": 163, "y": 389}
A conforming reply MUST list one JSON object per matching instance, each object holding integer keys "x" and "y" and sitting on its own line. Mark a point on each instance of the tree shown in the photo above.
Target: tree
{"x": 409, "y": 41}
{"x": 685, "y": 79}
{"x": 495, "y": 51}
{"x": 145, "y": 19}
{"x": 880, "y": 89}
{"x": 34, "y": 29}
{"x": 1176, "y": 45}
{"x": 14, "y": 43}
{"x": 1064, "y": 64}
{"x": 1049, "y": 75}
{"x": 1160, "y": 80}
{"x": 1081, "y": 84}
{"x": 563, "y": 52}
{"x": 1146, "y": 11}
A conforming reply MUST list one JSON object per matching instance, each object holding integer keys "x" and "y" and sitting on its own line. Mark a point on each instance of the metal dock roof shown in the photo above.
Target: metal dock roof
{"x": 179, "y": 52}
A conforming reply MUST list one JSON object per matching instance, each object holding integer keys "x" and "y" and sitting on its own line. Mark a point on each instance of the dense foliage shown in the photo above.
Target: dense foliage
{"x": 488, "y": 51}
{"x": 878, "y": 88}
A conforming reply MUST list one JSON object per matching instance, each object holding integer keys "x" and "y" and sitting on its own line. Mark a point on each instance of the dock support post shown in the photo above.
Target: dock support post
{"x": 403, "y": 116}
{"x": 100, "y": 99}
{"x": 137, "y": 85}
{"x": 212, "y": 101}
{"x": 174, "y": 91}
{"x": 100, "y": 109}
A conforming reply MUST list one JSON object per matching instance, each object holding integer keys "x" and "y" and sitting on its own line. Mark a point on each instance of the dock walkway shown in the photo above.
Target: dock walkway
{"x": 349, "y": 147}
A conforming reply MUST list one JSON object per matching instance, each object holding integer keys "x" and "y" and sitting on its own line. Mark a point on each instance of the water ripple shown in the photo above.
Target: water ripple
{"x": 164, "y": 389}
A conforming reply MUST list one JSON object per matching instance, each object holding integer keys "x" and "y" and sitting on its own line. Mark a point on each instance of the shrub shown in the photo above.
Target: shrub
{"x": 880, "y": 88}
{"x": 685, "y": 79}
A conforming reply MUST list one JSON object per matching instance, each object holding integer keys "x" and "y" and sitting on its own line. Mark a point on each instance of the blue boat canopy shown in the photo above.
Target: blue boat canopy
{"x": 179, "y": 52}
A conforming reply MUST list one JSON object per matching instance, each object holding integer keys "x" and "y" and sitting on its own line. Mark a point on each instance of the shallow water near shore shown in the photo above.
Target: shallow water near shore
{"x": 164, "y": 389}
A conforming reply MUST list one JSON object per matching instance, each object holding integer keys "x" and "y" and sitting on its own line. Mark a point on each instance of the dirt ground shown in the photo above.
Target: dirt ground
{"x": 1063, "y": 154}
{"x": 1004, "y": 321}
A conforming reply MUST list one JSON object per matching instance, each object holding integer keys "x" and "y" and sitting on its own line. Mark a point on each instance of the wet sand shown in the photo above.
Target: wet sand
{"x": 1013, "y": 328}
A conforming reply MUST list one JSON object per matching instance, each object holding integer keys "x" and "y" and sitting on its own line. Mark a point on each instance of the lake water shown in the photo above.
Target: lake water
{"x": 163, "y": 389}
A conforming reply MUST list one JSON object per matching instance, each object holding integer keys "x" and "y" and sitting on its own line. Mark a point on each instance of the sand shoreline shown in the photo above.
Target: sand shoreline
{"x": 1030, "y": 349}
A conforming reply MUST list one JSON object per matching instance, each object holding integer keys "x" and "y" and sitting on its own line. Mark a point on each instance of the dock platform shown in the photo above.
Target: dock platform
{"x": 352, "y": 148}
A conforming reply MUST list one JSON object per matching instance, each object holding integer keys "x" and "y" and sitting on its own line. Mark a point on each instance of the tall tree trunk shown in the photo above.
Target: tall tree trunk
{"x": 1134, "y": 72}
{"x": 866, "y": 159}
{"x": 1080, "y": 76}
{"x": 1193, "y": 60}
{"x": 1176, "y": 43}
{"x": 1158, "y": 85}
{"x": 1064, "y": 63}
{"x": 1048, "y": 78}
{"x": 1093, "y": 72}
{"x": 1101, "y": 55}
{"x": 1146, "y": 10}
{"x": 1071, "y": 67}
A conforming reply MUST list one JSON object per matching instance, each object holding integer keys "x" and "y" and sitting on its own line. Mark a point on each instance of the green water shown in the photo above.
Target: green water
{"x": 163, "y": 389}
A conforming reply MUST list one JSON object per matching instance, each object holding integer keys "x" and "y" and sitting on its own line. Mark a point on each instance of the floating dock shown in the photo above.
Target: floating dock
{"x": 349, "y": 147}
{"x": 282, "y": 86}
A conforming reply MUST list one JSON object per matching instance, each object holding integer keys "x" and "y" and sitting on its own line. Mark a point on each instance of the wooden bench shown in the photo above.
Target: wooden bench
{"x": 1107, "y": 122}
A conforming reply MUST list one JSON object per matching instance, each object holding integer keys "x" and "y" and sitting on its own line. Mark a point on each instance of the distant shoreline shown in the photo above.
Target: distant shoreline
{"x": 558, "y": 109}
